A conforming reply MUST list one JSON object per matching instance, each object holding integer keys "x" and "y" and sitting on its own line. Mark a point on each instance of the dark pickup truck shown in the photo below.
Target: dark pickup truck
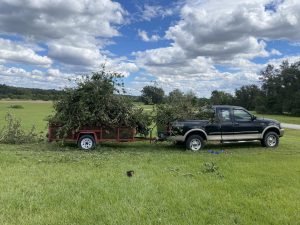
{"x": 229, "y": 123}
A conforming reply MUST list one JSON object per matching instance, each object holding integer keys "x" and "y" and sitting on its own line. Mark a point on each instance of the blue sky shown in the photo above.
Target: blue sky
{"x": 193, "y": 45}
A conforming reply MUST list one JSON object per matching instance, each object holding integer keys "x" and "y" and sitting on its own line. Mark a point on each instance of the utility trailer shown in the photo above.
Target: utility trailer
{"x": 86, "y": 138}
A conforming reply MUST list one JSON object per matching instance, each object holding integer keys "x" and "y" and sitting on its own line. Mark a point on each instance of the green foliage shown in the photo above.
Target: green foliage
{"x": 221, "y": 98}
{"x": 96, "y": 101}
{"x": 247, "y": 96}
{"x": 280, "y": 87}
{"x": 181, "y": 107}
{"x": 13, "y": 133}
{"x": 15, "y": 107}
{"x": 210, "y": 167}
{"x": 175, "y": 95}
{"x": 152, "y": 95}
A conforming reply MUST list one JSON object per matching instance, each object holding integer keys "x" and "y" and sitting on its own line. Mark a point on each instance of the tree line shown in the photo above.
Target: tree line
{"x": 10, "y": 92}
{"x": 279, "y": 93}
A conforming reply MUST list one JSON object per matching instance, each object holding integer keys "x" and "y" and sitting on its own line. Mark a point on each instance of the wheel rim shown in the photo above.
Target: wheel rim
{"x": 195, "y": 145}
{"x": 271, "y": 140}
{"x": 86, "y": 143}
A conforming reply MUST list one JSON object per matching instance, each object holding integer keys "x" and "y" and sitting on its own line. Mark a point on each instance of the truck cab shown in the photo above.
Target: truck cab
{"x": 228, "y": 123}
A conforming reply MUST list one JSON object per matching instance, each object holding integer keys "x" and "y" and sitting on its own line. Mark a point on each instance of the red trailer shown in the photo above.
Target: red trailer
{"x": 87, "y": 137}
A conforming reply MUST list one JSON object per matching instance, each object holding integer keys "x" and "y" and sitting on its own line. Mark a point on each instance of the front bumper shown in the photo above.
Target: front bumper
{"x": 281, "y": 132}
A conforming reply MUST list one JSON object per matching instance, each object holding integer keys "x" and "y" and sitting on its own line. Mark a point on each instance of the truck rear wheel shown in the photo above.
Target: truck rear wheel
{"x": 195, "y": 143}
{"x": 86, "y": 142}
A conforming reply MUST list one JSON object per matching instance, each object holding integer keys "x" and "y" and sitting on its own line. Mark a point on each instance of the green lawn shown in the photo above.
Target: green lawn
{"x": 52, "y": 184}
{"x": 33, "y": 113}
{"x": 49, "y": 184}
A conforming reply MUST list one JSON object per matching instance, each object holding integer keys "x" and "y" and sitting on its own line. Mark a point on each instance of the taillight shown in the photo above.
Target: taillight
{"x": 169, "y": 128}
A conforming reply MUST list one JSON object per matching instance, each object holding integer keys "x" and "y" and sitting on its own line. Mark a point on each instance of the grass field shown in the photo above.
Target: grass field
{"x": 49, "y": 184}
{"x": 52, "y": 184}
{"x": 32, "y": 113}
{"x": 281, "y": 118}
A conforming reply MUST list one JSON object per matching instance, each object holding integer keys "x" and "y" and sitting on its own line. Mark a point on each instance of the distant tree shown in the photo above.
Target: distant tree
{"x": 221, "y": 98}
{"x": 246, "y": 96}
{"x": 191, "y": 96}
{"x": 290, "y": 87}
{"x": 175, "y": 95}
{"x": 203, "y": 101}
{"x": 280, "y": 87}
{"x": 28, "y": 93}
{"x": 152, "y": 95}
{"x": 271, "y": 86}
{"x": 296, "y": 110}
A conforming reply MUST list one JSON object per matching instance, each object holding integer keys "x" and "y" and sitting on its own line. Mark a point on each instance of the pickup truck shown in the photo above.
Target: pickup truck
{"x": 229, "y": 123}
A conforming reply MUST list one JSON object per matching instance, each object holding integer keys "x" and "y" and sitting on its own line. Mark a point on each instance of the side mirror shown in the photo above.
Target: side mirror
{"x": 253, "y": 117}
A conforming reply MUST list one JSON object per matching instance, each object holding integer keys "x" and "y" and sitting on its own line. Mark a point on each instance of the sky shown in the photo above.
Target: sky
{"x": 193, "y": 45}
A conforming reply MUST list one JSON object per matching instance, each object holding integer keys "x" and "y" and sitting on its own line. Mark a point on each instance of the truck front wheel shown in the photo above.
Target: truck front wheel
{"x": 195, "y": 143}
{"x": 271, "y": 140}
{"x": 86, "y": 142}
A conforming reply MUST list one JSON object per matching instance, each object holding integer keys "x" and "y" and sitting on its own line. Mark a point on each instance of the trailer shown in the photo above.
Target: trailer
{"x": 86, "y": 138}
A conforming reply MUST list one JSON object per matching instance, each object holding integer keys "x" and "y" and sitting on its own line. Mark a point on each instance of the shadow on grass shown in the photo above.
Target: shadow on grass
{"x": 234, "y": 145}
{"x": 146, "y": 147}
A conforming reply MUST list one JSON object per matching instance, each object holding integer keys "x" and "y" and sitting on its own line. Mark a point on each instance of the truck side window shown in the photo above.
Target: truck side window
{"x": 241, "y": 115}
{"x": 224, "y": 115}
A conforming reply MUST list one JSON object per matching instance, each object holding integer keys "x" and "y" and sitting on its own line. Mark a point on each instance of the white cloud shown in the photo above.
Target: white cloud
{"x": 52, "y": 78}
{"x": 44, "y": 19}
{"x": 234, "y": 28}
{"x": 17, "y": 53}
{"x": 214, "y": 42}
{"x": 291, "y": 59}
{"x": 53, "y": 72}
{"x": 73, "y": 30}
{"x": 144, "y": 36}
{"x": 70, "y": 54}
{"x": 148, "y": 12}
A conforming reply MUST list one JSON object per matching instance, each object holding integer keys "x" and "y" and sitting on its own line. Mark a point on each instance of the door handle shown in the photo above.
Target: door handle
{"x": 236, "y": 124}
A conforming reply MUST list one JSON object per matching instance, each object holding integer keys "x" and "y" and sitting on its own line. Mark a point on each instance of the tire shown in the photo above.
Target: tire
{"x": 195, "y": 143}
{"x": 271, "y": 140}
{"x": 86, "y": 142}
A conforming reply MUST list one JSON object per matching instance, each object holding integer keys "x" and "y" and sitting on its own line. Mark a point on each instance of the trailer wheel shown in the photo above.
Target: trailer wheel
{"x": 86, "y": 142}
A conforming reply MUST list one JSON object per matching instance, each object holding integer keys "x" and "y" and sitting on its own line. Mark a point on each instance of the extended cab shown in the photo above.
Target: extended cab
{"x": 229, "y": 123}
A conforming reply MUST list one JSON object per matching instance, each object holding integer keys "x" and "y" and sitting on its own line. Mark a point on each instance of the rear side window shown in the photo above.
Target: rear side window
{"x": 241, "y": 115}
{"x": 224, "y": 115}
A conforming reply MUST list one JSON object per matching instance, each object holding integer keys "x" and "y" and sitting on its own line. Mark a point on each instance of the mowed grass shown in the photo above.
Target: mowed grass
{"x": 280, "y": 118}
{"x": 33, "y": 113}
{"x": 52, "y": 184}
{"x": 49, "y": 184}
